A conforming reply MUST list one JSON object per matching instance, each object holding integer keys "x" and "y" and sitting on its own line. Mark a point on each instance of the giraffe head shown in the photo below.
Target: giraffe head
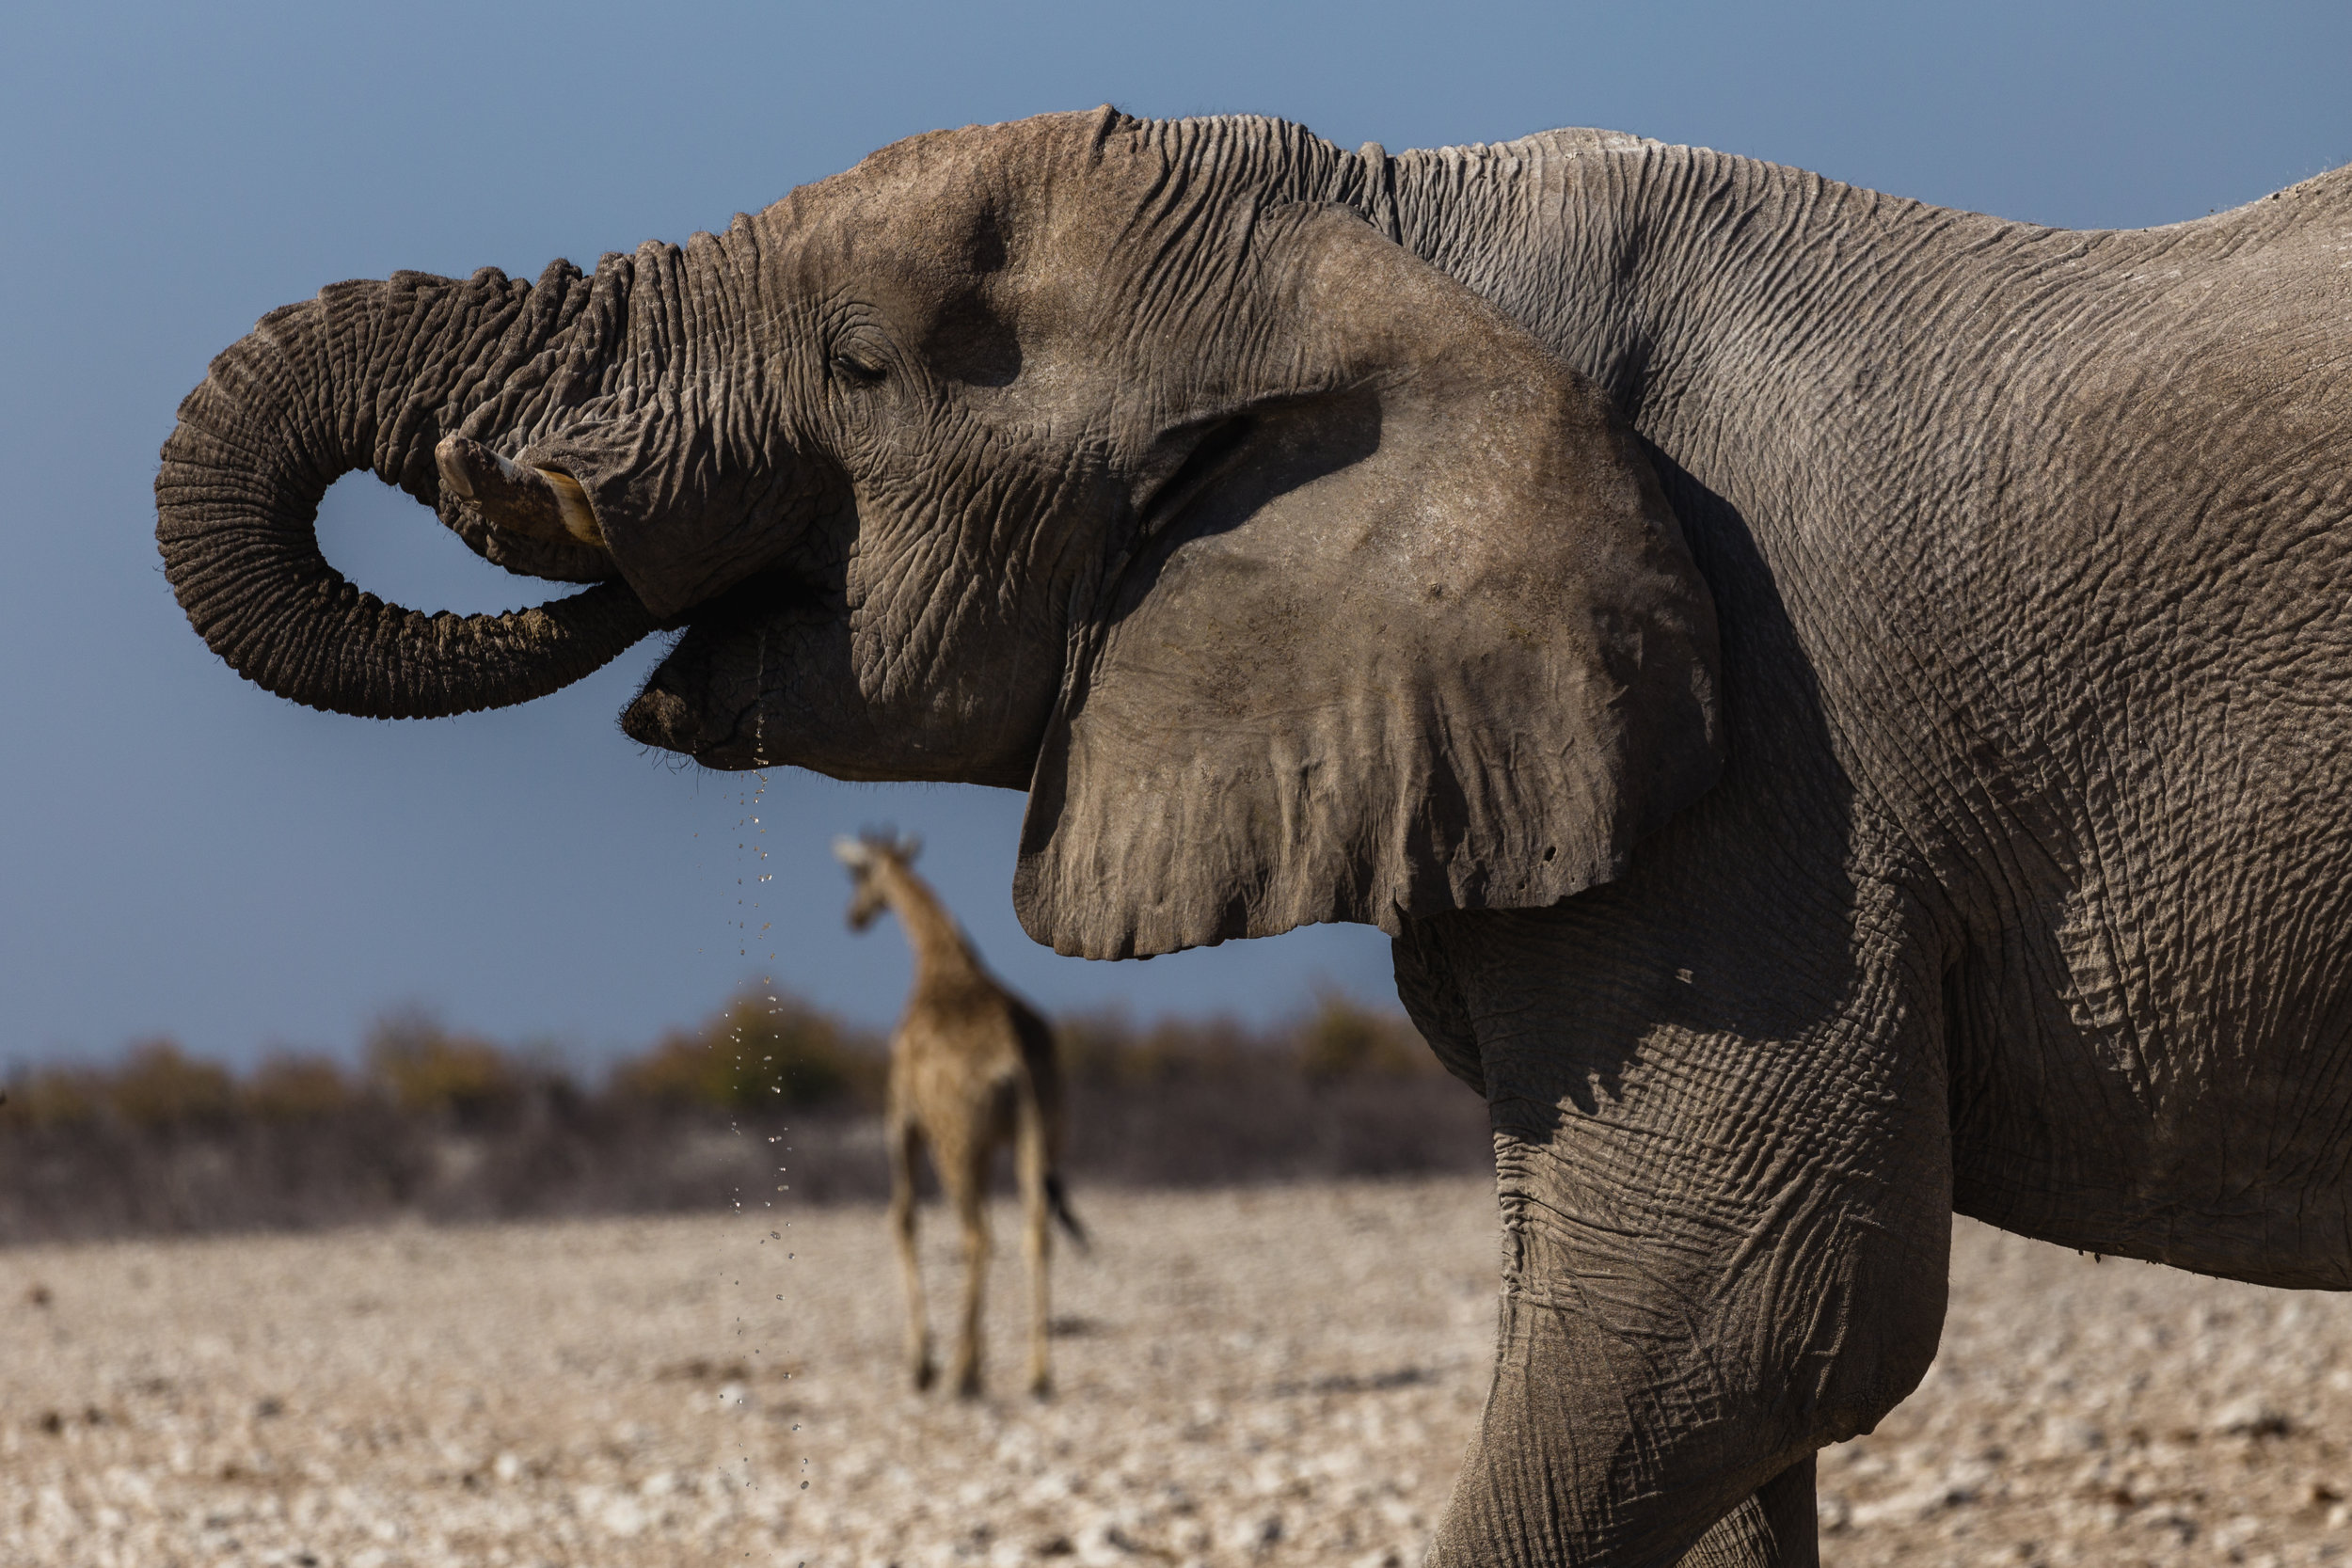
{"x": 873, "y": 860}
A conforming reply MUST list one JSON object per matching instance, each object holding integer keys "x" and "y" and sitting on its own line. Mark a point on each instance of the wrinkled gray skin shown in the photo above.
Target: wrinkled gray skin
{"x": 1270, "y": 511}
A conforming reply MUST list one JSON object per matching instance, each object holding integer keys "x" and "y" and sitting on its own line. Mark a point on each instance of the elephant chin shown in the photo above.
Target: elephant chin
{"x": 704, "y": 700}
{"x": 676, "y": 712}
{"x": 763, "y": 678}
{"x": 665, "y": 719}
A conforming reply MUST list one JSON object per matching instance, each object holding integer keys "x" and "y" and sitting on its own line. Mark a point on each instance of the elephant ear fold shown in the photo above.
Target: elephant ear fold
{"x": 1417, "y": 633}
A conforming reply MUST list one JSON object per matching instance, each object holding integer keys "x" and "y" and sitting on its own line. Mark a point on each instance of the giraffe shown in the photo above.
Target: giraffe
{"x": 971, "y": 1067}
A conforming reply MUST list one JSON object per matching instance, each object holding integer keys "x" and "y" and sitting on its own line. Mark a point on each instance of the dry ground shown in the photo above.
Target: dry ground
{"x": 1278, "y": 1376}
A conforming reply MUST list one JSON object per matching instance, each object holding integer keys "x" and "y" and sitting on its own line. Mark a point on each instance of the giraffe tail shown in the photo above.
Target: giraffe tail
{"x": 1058, "y": 1199}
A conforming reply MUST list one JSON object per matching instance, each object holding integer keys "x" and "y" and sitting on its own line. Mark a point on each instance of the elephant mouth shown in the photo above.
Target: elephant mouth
{"x": 709, "y": 697}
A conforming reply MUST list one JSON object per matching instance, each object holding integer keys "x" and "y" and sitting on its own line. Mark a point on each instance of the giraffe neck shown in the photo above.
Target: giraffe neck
{"x": 942, "y": 954}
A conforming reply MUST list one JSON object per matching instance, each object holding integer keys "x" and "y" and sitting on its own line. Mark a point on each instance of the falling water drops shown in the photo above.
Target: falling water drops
{"x": 754, "y": 875}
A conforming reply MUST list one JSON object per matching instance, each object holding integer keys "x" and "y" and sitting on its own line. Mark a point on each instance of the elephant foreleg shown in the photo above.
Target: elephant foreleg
{"x": 1725, "y": 1214}
{"x": 1776, "y": 1526}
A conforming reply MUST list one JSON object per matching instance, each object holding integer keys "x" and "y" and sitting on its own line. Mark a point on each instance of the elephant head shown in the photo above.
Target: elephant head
{"x": 1127, "y": 464}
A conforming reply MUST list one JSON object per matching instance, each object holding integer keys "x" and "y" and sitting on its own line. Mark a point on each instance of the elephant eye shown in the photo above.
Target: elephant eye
{"x": 857, "y": 367}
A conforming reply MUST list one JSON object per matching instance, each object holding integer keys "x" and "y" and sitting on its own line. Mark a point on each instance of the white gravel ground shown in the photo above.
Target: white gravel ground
{"x": 1271, "y": 1377}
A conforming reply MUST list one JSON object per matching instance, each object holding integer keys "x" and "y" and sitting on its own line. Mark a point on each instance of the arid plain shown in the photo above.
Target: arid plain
{"x": 1280, "y": 1376}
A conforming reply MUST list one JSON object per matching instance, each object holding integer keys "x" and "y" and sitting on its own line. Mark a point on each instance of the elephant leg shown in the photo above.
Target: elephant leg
{"x": 1775, "y": 1527}
{"x": 1724, "y": 1177}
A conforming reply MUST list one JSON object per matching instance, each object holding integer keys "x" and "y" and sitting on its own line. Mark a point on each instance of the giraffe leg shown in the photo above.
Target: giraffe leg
{"x": 1036, "y": 1244}
{"x": 968, "y": 1191}
{"x": 901, "y": 1140}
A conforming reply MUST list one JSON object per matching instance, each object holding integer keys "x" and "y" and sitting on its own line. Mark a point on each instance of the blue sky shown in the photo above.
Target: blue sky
{"x": 180, "y": 853}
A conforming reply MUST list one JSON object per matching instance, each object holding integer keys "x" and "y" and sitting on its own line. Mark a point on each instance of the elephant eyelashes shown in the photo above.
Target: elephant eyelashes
{"x": 854, "y": 370}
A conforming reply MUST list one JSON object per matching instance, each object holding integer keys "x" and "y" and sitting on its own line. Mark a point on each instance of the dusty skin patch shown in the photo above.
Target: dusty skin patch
{"x": 1284, "y": 1376}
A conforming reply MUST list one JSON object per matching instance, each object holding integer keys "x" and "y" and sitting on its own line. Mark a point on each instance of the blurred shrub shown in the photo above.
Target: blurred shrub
{"x": 760, "y": 1053}
{"x": 1341, "y": 1039}
{"x": 159, "y": 1086}
{"x": 1105, "y": 1046}
{"x": 446, "y": 1125}
{"x": 53, "y": 1097}
{"x": 1092, "y": 1045}
{"x": 292, "y": 1087}
{"x": 426, "y": 1069}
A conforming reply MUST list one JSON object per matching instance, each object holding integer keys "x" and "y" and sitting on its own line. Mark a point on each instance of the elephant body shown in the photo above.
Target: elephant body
{"x": 1837, "y": 702}
{"x": 2040, "y": 530}
{"x": 2024, "y": 891}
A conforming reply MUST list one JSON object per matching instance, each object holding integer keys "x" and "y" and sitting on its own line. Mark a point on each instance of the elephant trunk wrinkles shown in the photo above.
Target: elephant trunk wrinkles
{"x": 373, "y": 374}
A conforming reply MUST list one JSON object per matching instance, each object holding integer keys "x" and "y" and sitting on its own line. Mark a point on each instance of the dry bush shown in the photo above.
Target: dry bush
{"x": 160, "y": 1087}
{"x": 429, "y": 1071}
{"x": 1341, "y": 1041}
{"x": 53, "y": 1097}
{"x": 769, "y": 1101}
{"x": 760, "y": 1053}
{"x": 1346, "y": 1090}
{"x": 298, "y": 1087}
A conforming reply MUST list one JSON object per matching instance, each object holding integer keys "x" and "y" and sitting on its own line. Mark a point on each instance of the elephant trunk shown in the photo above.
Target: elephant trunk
{"x": 373, "y": 375}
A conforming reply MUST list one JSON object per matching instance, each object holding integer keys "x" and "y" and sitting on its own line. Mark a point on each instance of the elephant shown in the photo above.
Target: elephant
{"x": 1841, "y": 706}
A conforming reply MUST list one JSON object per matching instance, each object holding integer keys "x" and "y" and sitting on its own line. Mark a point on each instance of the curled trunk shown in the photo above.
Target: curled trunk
{"x": 372, "y": 375}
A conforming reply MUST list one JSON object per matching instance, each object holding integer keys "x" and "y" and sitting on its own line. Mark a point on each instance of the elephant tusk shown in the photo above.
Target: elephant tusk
{"x": 541, "y": 503}
{"x": 571, "y": 501}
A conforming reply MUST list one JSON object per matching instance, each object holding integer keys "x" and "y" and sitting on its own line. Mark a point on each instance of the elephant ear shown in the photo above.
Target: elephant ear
{"x": 1417, "y": 632}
